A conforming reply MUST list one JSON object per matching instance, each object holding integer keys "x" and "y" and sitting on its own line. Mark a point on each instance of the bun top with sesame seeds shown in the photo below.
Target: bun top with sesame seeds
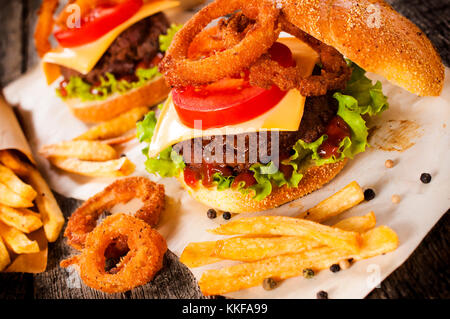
{"x": 376, "y": 37}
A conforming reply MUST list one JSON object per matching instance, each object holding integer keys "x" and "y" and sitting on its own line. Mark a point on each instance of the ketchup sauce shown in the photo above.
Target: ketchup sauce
{"x": 337, "y": 130}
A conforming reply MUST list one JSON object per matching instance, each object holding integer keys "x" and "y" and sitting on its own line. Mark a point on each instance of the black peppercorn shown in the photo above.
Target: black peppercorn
{"x": 308, "y": 273}
{"x": 335, "y": 268}
{"x": 226, "y": 215}
{"x": 425, "y": 178}
{"x": 322, "y": 295}
{"x": 369, "y": 194}
{"x": 269, "y": 284}
{"x": 211, "y": 213}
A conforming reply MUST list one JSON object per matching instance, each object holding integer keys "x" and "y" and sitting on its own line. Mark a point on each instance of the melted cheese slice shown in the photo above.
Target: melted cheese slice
{"x": 285, "y": 116}
{"x": 83, "y": 58}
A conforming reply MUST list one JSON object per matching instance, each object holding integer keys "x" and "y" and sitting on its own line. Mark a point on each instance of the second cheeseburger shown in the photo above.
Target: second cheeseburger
{"x": 255, "y": 120}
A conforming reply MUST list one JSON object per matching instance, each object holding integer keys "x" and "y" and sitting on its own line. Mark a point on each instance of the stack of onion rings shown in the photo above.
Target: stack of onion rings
{"x": 143, "y": 260}
{"x": 85, "y": 218}
{"x": 198, "y": 56}
{"x": 181, "y": 71}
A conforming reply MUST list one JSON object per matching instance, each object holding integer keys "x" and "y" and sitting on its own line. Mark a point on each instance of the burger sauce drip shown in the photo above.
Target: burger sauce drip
{"x": 337, "y": 130}
{"x": 246, "y": 177}
{"x": 205, "y": 174}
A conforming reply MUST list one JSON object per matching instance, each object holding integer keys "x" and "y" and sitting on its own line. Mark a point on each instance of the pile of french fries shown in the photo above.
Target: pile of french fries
{"x": 92, "y": 153}
{"x": 24, "y": 232}
{"x": 279, "y": 247}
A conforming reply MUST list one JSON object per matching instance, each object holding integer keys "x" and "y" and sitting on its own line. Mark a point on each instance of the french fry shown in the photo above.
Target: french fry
{"x": 14, "y": 183}
{"x": 9, "y": 198}
{"x": 257, "y": 248}
{"x": 288, "y": 226}
{"x": 23, "y": 219}
{"x": 4, "y": 255}
{"x": 32, "y": 263}
{"x": 115, "y": 127}
{"x": 10, "y": 160}
{"x": 113, "y": 168}
{"x": 358, "y": 224}
{"x": 120, "y": 139}
{"x": 220, "y": 281}
{"x": 51, "y": 215}
{"x": 17, "y": 241}
{"x": 199, "y": 254}
{"x": 348, "y": 197}
{"x": 82, "y": 150}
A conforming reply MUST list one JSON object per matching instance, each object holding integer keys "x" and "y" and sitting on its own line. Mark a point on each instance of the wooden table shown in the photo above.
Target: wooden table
{"x": 426, "y": 273}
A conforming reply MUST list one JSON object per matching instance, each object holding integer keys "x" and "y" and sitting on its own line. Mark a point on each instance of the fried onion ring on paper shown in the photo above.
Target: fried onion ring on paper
{"x": 180, "y": 71}
{"x": 138, "y": 267}
{"x": 85, "y": 218}
{"x": 334, "y": 74}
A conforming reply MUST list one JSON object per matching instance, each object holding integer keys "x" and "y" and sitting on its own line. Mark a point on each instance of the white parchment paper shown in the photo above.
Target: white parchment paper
{"x": 424, "y": 122}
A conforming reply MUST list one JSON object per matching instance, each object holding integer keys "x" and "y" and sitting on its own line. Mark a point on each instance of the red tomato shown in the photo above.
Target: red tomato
{"x": 97, "y": 23}
{"x": 229, "y": 101}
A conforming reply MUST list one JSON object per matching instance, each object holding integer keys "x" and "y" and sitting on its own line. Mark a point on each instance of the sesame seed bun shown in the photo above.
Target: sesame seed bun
{"x": 99, "y": 111}
{"x": 376, "y": 37}
{"x": 234, "y": 201}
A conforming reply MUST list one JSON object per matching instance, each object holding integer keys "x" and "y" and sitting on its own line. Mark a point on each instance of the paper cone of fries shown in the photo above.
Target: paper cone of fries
{"x": 29, "y": 214}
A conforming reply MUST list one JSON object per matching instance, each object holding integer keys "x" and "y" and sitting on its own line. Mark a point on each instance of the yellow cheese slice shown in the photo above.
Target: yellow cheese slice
{"x": 285, "y": 116}
{"x": 83, "y": 58}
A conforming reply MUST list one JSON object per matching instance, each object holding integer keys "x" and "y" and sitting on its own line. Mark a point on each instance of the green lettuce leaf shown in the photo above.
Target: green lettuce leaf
{"x": 268, "y": 174}
{"x": 167, "y": 164}
{"x": 370, "y": 97}
{"x": 146, "y": 127}
{"x": 77, "y": 88}
{"x": 166, "y": 39}
{"x": 222, "y": 182}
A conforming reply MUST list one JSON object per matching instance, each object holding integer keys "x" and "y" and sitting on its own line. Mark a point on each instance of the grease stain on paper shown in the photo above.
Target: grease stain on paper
{"x": 395, "y": 135}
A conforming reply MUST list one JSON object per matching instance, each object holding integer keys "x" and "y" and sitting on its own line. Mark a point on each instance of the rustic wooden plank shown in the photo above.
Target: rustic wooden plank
{"x": 426, "y": 273}
{"x": 30, "y": 7}
{"x": 10, "y": 40}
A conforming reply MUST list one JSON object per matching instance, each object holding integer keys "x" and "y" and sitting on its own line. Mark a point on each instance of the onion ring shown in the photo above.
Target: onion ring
{"x": 180, "y": 71}
{"x": 144, "y": 259}
{"x": 226, "y": 34}
{"x": 334, "y": 75}
{"x": 84, "y": 219}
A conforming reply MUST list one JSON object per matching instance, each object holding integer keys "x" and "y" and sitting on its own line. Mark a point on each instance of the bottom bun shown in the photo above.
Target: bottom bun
{"x": 234, "y": 201}
{"x": 99, "y": 111}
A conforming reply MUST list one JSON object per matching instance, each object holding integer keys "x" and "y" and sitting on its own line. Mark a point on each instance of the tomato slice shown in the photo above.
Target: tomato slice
{"x": 99, "y": 21}
{"x": 229, "y": 101}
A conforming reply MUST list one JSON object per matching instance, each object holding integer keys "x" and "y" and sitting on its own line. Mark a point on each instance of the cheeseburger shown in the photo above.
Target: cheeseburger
{"x": 270, "y": 102}
{"x": 107, "y": 54}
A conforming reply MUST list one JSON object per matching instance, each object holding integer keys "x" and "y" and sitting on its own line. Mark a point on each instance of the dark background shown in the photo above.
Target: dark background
{"x": 426, "y": 273}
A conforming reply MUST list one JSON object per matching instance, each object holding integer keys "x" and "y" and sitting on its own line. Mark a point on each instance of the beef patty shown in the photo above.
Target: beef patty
{"x": 317, "y": 114}
{"x": 139, "y": 43}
